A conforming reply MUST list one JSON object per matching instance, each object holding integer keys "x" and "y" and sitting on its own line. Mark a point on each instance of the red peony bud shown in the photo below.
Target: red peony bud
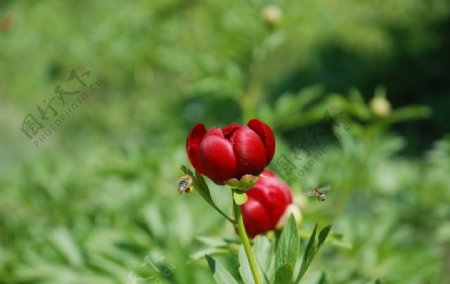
{"x": 231, "y": 152}
{"x": 266, "y": 204}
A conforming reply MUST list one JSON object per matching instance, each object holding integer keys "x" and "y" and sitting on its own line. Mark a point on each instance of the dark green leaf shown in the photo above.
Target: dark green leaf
{"x": 323, "y": 235}
{"x": 312, "y": 248}
{"x": 309, "y": 254}
{"x": 284, "y": 274}
{"x": 220, "y": 274}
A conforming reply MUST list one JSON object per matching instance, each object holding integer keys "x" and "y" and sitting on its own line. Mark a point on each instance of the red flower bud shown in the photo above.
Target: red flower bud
{"x": 266, "y": 204}
{"x": 232, "y": 151}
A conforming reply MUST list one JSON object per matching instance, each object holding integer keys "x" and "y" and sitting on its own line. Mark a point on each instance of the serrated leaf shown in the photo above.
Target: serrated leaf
{"x": 288, "y": 246}
{"x": 220, "y": 274}
{"x": 323, "y": 235}
{"x": 283, "y": 275}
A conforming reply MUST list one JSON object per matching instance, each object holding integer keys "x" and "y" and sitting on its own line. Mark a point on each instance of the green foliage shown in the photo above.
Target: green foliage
{"x": 312, "y": 248}
{"x": 220, "y": 274}
{"x": 96, "y": 202}
{"x": 286, "y": 253}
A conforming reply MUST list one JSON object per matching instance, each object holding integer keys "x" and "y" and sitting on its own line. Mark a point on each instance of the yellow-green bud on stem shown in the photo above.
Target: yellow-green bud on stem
{"x": 272, "y": 14}
{"x": 380, "y": 107}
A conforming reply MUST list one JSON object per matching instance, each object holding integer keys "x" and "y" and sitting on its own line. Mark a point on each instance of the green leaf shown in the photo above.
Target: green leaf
{"x": 309, "y": 253}
{"x": 202, "y": 188}
{"x": 303, "y": 108}
{"x": 322, "y": 279}
{"x": 244, "y": 267}
{"x": 287, "y": 248}
{"x": 65, "y": 244}
{"x": 208, "y": 251}
{"x": 220, "y": 274}
{"x": 284, "y": 274}
{"x": 264, "y": 251}
{"x": 213, "y": 242}
{"x": 408, "y": 113}
{"x": 312, "y": 248}
{"x": 323, "y": 235}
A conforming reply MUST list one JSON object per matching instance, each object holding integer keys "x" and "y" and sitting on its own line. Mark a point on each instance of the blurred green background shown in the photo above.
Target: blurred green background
{"x": 96, "y": 201}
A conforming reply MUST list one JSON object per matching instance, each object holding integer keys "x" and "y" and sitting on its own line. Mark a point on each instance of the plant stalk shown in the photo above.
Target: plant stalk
{"x": 245, "y": 241}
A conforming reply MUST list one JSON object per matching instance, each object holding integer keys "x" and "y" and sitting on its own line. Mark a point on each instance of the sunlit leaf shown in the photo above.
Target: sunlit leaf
{"x": 287, "y": 249}
{"x": 244, "y": 267}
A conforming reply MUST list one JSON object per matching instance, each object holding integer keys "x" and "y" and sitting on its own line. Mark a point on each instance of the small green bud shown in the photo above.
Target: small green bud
{"x": 245, "y": 183}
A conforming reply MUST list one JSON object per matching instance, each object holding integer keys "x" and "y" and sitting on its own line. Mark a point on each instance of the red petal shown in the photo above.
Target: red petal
{"x": 193, "y": 143}
{"x": 216, "y": 156}
{"x": 230, "y": 129}
{"x": 266, "y": 134}
{"x": 274, "y": 195}
{"x": 256, "y": 219}
{"x": 249, "y": 152}
{"x": 273, "y": 181}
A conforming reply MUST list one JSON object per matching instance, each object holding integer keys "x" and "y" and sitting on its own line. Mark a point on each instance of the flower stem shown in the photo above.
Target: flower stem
{"x": 245, "y": 241}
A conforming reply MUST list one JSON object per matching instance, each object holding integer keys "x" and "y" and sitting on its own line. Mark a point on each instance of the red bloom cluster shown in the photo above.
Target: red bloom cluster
{"x": 232, "y": 151}
{"x": 266, "y": 204}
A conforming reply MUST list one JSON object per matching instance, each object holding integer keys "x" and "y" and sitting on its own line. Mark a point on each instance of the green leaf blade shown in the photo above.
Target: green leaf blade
{"x": 309, "y": 253}
{"x": 244, "y": 267}
{"x": 284, "y": 274}
{"x": 323, "y": 235}
{"x": 287, "y": 249}
{"x": 220, "y": 274}
{"x": 202, "y": 188}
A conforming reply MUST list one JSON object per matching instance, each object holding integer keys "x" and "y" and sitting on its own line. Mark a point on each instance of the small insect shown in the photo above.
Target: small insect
{"x": 319, "y": 192}
{"x": 185, "y": 184}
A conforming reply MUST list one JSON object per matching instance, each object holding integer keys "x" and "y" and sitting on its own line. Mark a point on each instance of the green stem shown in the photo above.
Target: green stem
{"x": 245, "y": 241}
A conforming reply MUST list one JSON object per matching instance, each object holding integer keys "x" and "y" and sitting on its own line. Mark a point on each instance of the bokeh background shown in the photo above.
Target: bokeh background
{"x": 95, "y": 200}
